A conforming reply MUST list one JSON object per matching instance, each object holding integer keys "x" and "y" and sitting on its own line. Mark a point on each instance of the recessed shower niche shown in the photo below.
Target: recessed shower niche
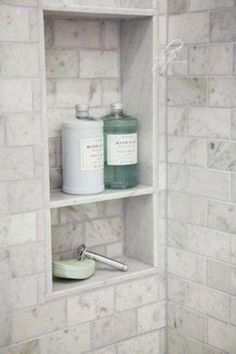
{"x": 99, "y": 57}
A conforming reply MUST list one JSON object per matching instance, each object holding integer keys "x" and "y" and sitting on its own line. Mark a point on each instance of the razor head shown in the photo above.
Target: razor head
{"x": 81, "y": 252}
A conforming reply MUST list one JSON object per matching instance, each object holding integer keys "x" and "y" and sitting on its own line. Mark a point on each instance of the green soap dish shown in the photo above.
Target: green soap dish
{"x": 73, "y": 269}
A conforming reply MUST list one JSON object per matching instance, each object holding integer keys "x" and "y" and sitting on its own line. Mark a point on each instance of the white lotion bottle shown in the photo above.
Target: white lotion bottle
{"x": 82, "y": 154}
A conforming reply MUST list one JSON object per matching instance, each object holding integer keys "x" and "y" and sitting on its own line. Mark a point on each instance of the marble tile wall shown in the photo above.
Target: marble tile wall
{"x": 201, "y": 105}
{"x": 119, "y": 319}
{"x": 72, "y": 226}
{"x": 82, "y": 66}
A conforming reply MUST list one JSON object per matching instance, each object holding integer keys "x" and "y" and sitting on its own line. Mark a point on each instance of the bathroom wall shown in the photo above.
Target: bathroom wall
{"x": 98, "y": 225}
{"x": 82, "y": 66}
{"x": 82, "y": 60}
{"x": 201, "y": 88}
{"x": 119, "y": 319}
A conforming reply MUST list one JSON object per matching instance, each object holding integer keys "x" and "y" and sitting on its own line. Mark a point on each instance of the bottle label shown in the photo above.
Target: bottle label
{"x": 122, "y": 149}
{"x": 91, "y": 154}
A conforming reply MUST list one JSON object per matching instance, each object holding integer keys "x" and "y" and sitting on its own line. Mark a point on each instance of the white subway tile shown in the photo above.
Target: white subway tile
{"x": 208, "y": 183}
{"x": 222, "y": 92}
{"x": 90, "y": 306}
{"x": 210, "y": 243}
{"x": 146, "y": 344}
{"x": 37, "y": 94}
{"x": 55, "y": 176}
{"x": 188, "y": 150}
{"x": 208, "y": 301}
{"x": 221, "y": 155}
{"x": 177, "y": 177}
{"x": 221, "y": 216}
{"x": 51, "y": 94}
{"x": 233, "y": 128}
{"x": 177, "y": 121}
{"x": 177, "y": 6}
{"x": 4, "y": 205}
{"x": 195, "y": 347}
{"x": 6, "y": 271}
{"x": 196, "y": 5}
{"x": 187, "y": 208}
{"x": 233, "y": 249}
{"x": 222, "y": 336}
{"x": 18, "y": 293}
{"x": 221, "y": 59}
{"x": 74, "y": 214}
{"x": 25, "y": 195}
{"x": 70, "y": 91}
{"x": 20, "y": 59}
{"x": 177, "y": 232}
{"x": 57, "y": 116}
{"x": 111, "y": 349}
{"x": 48, "y": 32}
{"x": 16, "y": 95}
{"x": 14, "y": 24}
{"x": 210, "y": 122}
{"x": 31, "y": 347}
{"x": 102, "y": 3}
{"x": 187, "y": 322}
{"x": 16, "y": 163}
{"x": 147, "y": 4}
{"x": 61, "y": 63}
{"x": 95, "y": 64}
{"x": 76, "y": 33}
{"x": 176, "y": 290}
{"x": 187, "y": 91}
{"x": 17, "y": 229}
{"x": 187, "y": 265}
{"x": 222, "y": 26}
{"x": 151, "y": 317}
{"x": 110, "y": 35}
{"x": 233, "y": 311}
{"x": 115, "y": 250}
{"x": 67, "y": 237}
{"x": 176, "y": 343}
{"x": 37, "y": 321}
{"x": 114, "y": 328}
{"x": 222, "y": 276}
{"x": 23, "y": 129}
{"x": 111, "y": 91}
{"x": 2, "y": 131}
{"x": 136, "y": 293}
{"x": 27, "y": 3}
{"x": 27, "y": 259}
{"x": 162, "y": 6}
{"x": 53, "y": 152}
{"x": 198, "y": 60}
{"x": 34, "y": 24}
{"x": 71, "y": 340}
{"x": 103, "y": 231}
{"x": 180, "y": 26}
{"x": 5, "y": 330}
{"x": 233, "y": 187}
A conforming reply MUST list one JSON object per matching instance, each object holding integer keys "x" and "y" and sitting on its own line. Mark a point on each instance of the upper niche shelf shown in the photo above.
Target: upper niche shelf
{"x": 60, "y": 199}
{"x": 115, "y": 13}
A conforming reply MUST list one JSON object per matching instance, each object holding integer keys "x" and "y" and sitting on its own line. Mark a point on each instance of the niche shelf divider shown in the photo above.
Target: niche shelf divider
{"x": 138, "y": 36}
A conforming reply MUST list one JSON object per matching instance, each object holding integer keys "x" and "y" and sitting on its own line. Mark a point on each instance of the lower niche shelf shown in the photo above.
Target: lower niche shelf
{"x": 104, "y": 275}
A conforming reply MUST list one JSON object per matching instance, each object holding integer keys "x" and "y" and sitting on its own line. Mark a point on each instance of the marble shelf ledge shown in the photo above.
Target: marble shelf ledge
{"x": 59, "y": 199}
{"x": 109, "y": 12}
{"x": 104, "y": 276}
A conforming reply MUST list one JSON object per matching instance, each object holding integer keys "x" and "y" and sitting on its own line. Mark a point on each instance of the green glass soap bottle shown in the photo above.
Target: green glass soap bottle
{"x": 120, "y": 149}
